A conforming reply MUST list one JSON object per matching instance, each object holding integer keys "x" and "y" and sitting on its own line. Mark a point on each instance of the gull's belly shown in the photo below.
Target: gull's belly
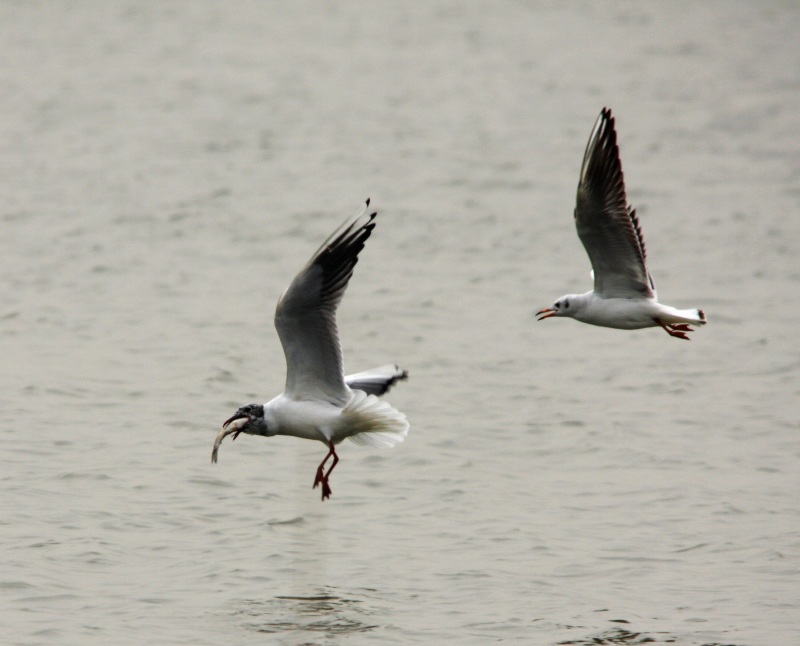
{"x": 620, "y": 313}
{"x": 311, "y": 420}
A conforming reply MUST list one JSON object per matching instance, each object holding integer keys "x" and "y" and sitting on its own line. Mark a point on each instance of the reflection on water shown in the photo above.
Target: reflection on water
{"x": 323, "y": 612}
{"x": 620, "y": 636}
{"x": 629, "y": 638}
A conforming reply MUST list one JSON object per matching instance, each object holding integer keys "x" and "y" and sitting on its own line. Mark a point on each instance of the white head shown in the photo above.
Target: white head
{"x": 567, "y": 305}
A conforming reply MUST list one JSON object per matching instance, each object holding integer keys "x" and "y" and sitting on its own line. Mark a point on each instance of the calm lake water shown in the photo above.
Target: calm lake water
{"x": 167, "y": 168}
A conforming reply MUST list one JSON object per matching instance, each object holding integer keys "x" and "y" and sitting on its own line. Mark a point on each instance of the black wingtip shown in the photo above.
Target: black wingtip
{"x": 374, "y": 213}
{"x": 607, "y": 117}
{"x": 601, "y": 163}
{"x": 608, "y": 131}
{"x": 401, "y": 377}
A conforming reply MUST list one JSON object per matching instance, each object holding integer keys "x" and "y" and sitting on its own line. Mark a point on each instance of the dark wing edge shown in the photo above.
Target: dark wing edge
{"x": 377, "y": 381}
{"x": 637, "y": 228}
{"x": 607, "y": 225}
{"x": 338, "y": 255}
{"x": 305, "y": 317}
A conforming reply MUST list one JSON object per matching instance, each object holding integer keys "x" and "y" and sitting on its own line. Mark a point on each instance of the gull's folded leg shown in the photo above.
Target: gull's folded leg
{"x": 326, "y": 490}
{"x": 321, "y": 477}
{"x": 672, "y": 332}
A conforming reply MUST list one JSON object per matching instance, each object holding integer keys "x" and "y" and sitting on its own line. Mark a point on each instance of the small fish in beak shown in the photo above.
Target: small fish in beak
{"x": 234, "y": 425}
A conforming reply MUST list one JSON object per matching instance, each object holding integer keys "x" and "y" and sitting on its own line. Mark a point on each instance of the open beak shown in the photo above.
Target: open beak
{"x": 545, "y": 313}
{"x": 235, "y": 417}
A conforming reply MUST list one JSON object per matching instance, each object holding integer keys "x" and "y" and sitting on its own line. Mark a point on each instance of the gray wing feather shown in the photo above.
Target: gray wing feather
{"x": 607, "y": 226}
{"x": 306, "y": 314}
{"x": 376, "y": 381}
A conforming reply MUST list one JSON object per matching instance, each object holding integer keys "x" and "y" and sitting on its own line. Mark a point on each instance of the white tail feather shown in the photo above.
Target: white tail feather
{"x": 373, "y": 422}
{"x": 692, "y": 317}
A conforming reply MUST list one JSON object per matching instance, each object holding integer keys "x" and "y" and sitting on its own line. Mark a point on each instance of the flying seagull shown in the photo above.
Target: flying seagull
{"x": 624, "y": 294}
{"x": 319, "y": 402}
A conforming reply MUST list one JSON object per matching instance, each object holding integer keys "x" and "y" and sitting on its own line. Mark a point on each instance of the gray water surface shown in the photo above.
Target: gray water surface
{"x": 167, "y": 168}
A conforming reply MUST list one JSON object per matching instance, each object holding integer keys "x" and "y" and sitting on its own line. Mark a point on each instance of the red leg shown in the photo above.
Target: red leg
{"x": 319, "y": 477}
{"x": 680, "y": 327}
{"x": 326, "y": 490}
{"x": 325, "y": 485}
{"x": 321, "y": 468}
{"x": 322, "y": 477}
{"x": 674, "y": 330}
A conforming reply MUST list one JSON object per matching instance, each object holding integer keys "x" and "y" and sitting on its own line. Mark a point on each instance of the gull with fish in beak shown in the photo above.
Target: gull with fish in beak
{"x": 319, "y": 402}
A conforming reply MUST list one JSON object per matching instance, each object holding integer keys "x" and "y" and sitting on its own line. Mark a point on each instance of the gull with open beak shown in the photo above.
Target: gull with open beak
{"x": 319, "y": 402}
{"x": 624, "y": 294}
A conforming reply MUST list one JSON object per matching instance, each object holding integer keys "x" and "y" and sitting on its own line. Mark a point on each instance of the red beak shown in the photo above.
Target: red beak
{"x": 545, "y": 313}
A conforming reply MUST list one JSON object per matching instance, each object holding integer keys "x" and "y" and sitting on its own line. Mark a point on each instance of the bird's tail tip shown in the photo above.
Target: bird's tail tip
{"x": 375, "y": 422}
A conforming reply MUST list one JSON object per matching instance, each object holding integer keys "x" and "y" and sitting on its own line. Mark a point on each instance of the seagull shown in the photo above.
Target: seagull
{"x": 624, "y": 294}
{"x": 319, "y": 402}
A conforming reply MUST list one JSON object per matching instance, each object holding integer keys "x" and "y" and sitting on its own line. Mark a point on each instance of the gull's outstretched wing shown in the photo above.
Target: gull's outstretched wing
{"x": 306, "y": 314}
{"x": 607, "y": 225}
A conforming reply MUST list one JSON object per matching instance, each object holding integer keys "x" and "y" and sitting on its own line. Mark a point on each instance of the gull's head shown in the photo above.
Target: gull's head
{"x": 248, "y": 419}
{"x": 564, "y": 306}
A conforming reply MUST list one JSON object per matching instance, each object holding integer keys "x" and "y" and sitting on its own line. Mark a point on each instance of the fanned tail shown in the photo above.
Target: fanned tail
{"x": 373, "y": 422}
